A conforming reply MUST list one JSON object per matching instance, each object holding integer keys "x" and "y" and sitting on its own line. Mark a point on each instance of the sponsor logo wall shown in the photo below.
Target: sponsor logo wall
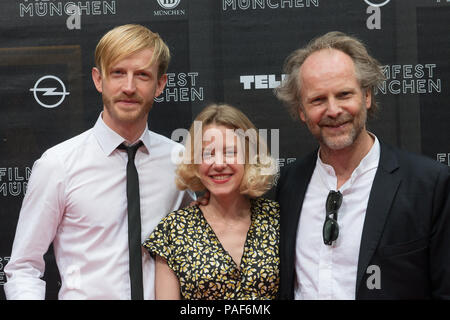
{"x": 222, "y": 51}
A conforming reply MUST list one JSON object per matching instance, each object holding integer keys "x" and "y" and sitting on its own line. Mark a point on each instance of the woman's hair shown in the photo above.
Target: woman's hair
{"x": 125, "y": 40}
{"x": 368, "y": 69}
{"x": 259, "y": 167}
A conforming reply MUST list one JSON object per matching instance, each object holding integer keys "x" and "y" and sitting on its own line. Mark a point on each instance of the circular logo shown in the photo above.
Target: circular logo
{"x": 376, "y": 4}
{"x": 169, "y": 4}
{"x": 49, "y": 92}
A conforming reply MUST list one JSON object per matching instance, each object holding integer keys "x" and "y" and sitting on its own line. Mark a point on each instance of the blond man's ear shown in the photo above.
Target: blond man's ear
{"x": 97, "y": 78}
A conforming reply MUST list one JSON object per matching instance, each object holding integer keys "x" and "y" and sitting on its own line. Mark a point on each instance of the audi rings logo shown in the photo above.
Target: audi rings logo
{"x": 49, "y": 92}
{"x": 169, "y": 4}
{"x": 377, "y": 3}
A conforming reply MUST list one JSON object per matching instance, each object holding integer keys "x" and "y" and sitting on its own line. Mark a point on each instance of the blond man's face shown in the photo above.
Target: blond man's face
{"x": 128, "y": 89}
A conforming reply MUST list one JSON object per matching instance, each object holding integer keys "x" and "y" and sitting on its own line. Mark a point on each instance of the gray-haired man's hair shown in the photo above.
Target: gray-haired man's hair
{"x": 368, "y": 69}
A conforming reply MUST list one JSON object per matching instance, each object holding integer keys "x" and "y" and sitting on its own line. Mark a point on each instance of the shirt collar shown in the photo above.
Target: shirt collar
{"x": 369, "y": 162}
{"x": 109, "y": 140}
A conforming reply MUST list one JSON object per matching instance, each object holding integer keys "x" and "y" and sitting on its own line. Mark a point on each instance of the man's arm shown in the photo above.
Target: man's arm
{"x": 40, "y": 215}
{"x": 189, "y": 199}
{"x": 440, "y": 238}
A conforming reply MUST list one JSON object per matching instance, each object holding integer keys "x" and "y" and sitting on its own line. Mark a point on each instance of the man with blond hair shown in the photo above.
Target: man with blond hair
{"x": 78, "y": 196}
{"x": 359, "y": 219}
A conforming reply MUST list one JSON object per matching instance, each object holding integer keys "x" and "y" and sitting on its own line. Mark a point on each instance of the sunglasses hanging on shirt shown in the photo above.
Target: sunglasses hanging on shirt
{"x": 331, "y": 227}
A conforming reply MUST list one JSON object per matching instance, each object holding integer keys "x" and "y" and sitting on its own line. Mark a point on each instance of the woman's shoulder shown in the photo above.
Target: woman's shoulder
{"x": 181, "y": 214}
{"x": 267, "y": 207}
{"x": 176, "y": 221}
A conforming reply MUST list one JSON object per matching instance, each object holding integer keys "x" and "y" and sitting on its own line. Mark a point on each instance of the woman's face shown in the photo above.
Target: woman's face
{"x": 222, "y": 167}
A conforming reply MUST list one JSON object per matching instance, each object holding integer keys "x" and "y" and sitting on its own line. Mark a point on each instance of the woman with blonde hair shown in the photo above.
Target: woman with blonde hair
{"x": 227, "y": 249}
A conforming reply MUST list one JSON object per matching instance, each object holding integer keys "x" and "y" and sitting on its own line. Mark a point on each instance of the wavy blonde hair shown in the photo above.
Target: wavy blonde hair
{"x": 259, "y": 174}
{"x": 125, "y": 40}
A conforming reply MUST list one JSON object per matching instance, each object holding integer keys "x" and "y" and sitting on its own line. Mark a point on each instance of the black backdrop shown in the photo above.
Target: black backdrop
{"x": 223, "y": 51}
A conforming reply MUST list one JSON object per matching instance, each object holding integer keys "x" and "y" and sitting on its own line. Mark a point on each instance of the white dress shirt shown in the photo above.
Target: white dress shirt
{"x": 323, "y": 271}
{"x": 76, "y": 198}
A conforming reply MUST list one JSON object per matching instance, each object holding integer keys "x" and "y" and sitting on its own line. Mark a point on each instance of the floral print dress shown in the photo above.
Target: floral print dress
{"x": 205, "y": 269}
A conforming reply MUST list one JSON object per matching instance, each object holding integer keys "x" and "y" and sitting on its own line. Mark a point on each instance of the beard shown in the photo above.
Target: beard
{"x": 126, "y": 116}
{"x": 337, "y": 141}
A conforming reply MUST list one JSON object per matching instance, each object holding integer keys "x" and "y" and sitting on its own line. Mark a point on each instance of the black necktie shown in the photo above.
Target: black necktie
{"x": 134, "y": 223}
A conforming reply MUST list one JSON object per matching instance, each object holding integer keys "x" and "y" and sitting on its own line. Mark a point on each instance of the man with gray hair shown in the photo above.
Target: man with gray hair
{"x": 359, "y": 219}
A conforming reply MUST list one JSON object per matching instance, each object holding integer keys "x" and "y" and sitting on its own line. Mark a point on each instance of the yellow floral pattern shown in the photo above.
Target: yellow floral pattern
{"x": 205, "y": 269}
